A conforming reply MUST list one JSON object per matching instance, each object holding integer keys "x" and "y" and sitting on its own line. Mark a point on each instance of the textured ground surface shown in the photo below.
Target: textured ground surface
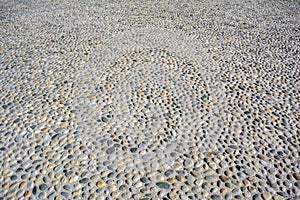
{"x": 149, "y": 100}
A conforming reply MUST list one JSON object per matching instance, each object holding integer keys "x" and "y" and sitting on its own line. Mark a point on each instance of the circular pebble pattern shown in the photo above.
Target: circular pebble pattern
{"x": 149, "y": 100}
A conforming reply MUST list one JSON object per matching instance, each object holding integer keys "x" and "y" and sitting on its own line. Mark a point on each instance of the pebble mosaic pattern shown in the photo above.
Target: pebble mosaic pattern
{"x": 149, "y": 100}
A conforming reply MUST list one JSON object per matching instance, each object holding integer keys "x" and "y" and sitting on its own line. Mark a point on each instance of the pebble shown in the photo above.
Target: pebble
{"x": 188, "y": 163}
{"x": 67, "y": 187}
{"x": 100, "y": 184}
{"x": 144, "y": 180}
{"x": 169, "y": 172}
{"x": 111, "y": 150}
{"x": 267, "y": 196}
{"x": 171, "y": 180}
{"x": 58, "y": 168}
{"x": 215, "y": 197}
{"x": 133, "y": 150}
{"x": 76, "y": 192}
{"x": 297, "y": 176}
{"x": 163, "y": 185}
{"x": 22, "y": 185}
{"x": 73, "y": 179}
{"x": 27, "y": 194}
{"x": 115, "y": 195}
{"x": 43, "y": 187}
{"x": 196, "y": 174}
{"x": 104, "y": 119}
{"x": 84, "y": 180}
{"x": 256, "y": 197}
{"x": 35, "y": 190}
{"x": 228, "y": 196}
{"x": 42, "y": 195}
{"x": 66, "y": 195}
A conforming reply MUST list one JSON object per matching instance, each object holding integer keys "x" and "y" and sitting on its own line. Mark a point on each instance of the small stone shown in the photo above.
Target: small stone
{"x": 64, "y": 124}
{"x": 278, "y": 197}
{"x": 297, "y": 176}
{"x": 42, "y": 195}
{"x": 43, "y": 171}
{"x": 101, "y": 184}
{"x": 13, "y": 177}
{"x": 66, "y": 195}
{"x": 256, "y": 197}
{"x": 144, "y": 179}
{"x": 204, "y": 97}
{"x": 18, "y": 139}
{"x": 224, "y": 178}
{"x": 16, "y": 120}
{"x": 223, "y": 191}
{"x": 34, "y": 190}
{"x": 171, "y": 180}
{"x": 55, "y": 182}
{"x": 73, "y": 179}
{"x": 228, "y": 196}
{"x": 180, "y": 178}
{"x": 104, "y": 119}
{"x": 115, "y": 195}
{"x": 233, "y": 147}
{"x": 43, "y": 187}
{"x": 133, "y": 150}
{"x": 68, "y": 146}
{"x": 76, "y": 192}
{"x": 160, "y": 177}
{"x": 22, "y": 185}
{"x": 262, "y": 157}
{"x": 215, "y": 197}
{"x": 211, "y": 178}
{"x": 195, "y": 174}
{"x": 243, "y": 98}
{"x": 112, "y": 188}
{"x": 241, "y": 87}
{"x": 67, "y": 187}
{"x": 138, "y": 184}
{"x": 169, "y": 172}
{"x": 58, "y": 168}
{"x": 27, "y": 194}
{"x": 247, "y": 182}
{"x": 56, "y": 136}
{"x": 84, "y": 180}
{"x": 267, "y": 196}
{"x": 111, "y": 150}
{"x": 45, "y": 129}
{"x": 247, "y": 112}
{"x": 188, "y": 163}
{"x": 163, "y": 185}
{"x": 6, "y": 173}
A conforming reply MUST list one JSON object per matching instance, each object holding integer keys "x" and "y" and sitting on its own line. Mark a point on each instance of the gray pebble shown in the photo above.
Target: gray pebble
{"x": 111, "y": 150}
{"x": 169, "y": 172}
{"x": 43, "y": 187}
{"x": 84, "y": 180}
{"x": 163, "y": 185}
{"x": 66, "y": 195}
{"x": 216, "y": 197}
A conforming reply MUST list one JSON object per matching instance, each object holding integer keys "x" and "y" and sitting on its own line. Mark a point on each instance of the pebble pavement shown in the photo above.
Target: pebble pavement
{"x": 149, "y": 99}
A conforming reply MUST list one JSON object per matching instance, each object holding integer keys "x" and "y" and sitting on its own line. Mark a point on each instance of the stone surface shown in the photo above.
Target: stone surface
{"x": 149, "y": 100}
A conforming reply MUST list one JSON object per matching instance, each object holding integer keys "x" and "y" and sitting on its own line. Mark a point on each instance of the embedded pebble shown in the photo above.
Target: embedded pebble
{"x": 100, "y": 184}
{"x": 111, "y": 150}
{"x": 163, "y": 185}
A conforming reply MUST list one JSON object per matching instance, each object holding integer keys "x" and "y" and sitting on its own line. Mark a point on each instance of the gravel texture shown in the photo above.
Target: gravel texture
{"x": 149, "y": 99}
